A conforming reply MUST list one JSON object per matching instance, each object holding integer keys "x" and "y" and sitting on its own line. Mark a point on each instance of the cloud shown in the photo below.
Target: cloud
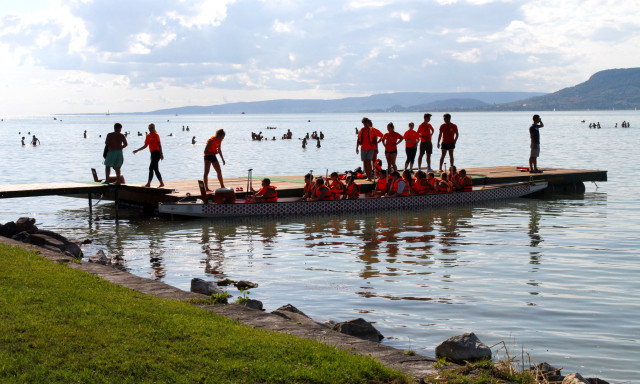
{"x": 257, "y": 48}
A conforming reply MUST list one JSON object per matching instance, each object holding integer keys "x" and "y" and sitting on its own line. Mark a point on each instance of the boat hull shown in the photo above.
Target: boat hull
{"x": 198, "y": 209}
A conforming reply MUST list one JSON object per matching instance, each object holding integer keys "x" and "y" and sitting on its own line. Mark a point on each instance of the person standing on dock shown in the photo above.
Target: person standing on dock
{"x": 449, "y": 135}
{"x": 155, "y": 147}
{"x": 425, "y": 131}
{"x": 213, "y": 147}
{"x": 411, "y": 139}
{"x": 366, "y": 145}
{"x": 534, "y": 133}
{"x": 115, "y": 143}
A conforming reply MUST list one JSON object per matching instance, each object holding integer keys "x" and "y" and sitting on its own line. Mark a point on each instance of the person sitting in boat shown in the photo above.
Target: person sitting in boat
{"x": 382, "y": 185}
{"x": 444, "y": 185}
{"x": 462, "y": 182}
{"x": 407, "y": 176}
{"x": 352, "y": 189}
{"x": 422, "y": 186}
{"x": 453, "y": 173}
{"x": 336, "y": 187}
{"x": 309, "y": 186}
{"x": 321, "y": 192}
{"x": 398, "y": 186}
{"x": 267, "y": 194}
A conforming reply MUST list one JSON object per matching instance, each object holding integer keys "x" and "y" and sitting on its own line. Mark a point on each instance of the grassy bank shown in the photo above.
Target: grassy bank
{"x": 62, "y": 325}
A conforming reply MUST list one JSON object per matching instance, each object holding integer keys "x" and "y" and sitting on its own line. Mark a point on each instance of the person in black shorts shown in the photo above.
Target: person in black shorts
{"x": 213, "y": 147}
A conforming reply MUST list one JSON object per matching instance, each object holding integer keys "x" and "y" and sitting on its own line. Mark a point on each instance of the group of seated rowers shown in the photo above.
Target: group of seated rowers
{"x": 392, "y": 185}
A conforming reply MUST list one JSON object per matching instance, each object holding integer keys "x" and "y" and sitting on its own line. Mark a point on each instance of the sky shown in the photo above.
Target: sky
{"x": 93, "y": 56}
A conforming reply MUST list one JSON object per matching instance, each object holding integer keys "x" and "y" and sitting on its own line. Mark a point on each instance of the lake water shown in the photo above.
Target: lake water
{"x": 558, "y": 277}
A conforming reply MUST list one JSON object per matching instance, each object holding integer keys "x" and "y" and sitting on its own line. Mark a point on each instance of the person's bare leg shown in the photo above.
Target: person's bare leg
{"x": 428, "y": 160}
{"x": 392, "y": 161}
{"x": 107, "y": 172}
{"x": 451, "y": 157}
{"x": 367, "y": 169}
{"x": 117, "y": 175}
{"x": 420, "y": 160}
{"x": 205, "y": 178}
{"x": 216, "y": 166}
{"x": 444, "y": 153}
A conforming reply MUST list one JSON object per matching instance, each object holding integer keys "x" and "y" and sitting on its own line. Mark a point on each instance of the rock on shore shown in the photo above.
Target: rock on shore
{"x": 25, "y": 230}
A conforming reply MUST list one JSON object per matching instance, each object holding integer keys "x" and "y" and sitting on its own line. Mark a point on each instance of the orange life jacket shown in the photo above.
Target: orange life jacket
{"x": 353, "y": 191}
{"x": 420, "y": 189}
{"x": 466, "y": 187}
{"x": 308, "y": 189}
{"x": 271, "y": 198}
{"x": 378, "y": 167}
{"x": 444, "y": 187}
{"x": 327, "y": 196}
{"x": 405, "y": 191}
{"x": 382, "y": 183}
{"x": 337, "y": 189}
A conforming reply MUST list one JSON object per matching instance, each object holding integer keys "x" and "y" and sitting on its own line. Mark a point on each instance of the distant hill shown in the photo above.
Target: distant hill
{"x": 387, "y": 102}
{"x": 609, "y": 89}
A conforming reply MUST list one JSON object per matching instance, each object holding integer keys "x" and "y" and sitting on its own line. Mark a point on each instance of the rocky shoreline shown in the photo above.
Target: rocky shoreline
{"x": 356, "y": 335}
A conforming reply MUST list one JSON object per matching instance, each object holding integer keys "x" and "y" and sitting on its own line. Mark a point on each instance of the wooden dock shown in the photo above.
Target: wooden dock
{"x": 560, "y": 181}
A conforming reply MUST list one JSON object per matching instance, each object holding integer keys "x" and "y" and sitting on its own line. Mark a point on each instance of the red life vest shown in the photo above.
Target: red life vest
{"x": 337, "y": 189}
{"x": 405, "y": 191}
{"x": 353, "y": 191}
{"x": 378, "y": 167}
{"x": 469, "y": 183}
{"x": 327, "y": 196}
{"x": 420, "y": 189}
{"x": 271, "y": 198}
{"x": 444, "y": 187}
{"x": 381, "y": 185}
{"x": 308, "y": 189}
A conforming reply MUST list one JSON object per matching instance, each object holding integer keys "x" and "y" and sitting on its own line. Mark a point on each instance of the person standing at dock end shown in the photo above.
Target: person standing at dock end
{"x": 534, "y": 133}
{"x": 449, "y": 135}
{"x": 115, "y": 143}
{"x": 213, "y": 147}
{"x": 152, "y": 140}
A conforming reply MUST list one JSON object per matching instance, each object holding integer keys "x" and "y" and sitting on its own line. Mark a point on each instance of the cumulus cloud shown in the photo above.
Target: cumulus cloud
{"x": 250, "y": 47}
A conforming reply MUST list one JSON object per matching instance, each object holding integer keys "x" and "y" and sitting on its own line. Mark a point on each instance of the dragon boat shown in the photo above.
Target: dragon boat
{"x": 289, "y": 206}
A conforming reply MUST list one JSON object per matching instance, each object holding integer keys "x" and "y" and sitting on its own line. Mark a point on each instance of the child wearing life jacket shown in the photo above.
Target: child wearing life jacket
{"x": 321, "y": 192}
{"x": 382, "y": 185}
{"x": 352, "y": 189}
{"x": 422, "y": 186}
{"x": 408, "y": 179}
{"x": 398, "y": 186}
{"x": 267, "y": 194}
{"x": 444, "y": 185}
{"x": 308, "y": 187}
{"x": 336, "y": 187}
{"x": 463, "y": 182}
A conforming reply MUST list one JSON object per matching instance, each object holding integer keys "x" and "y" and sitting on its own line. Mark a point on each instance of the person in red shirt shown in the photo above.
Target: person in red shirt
{"x": 213, "y": 147}
{"x": 155, "y": 147}
{"x": 391, "y": 139}
{"x": 425, "y": 131}
{"x": 368, "y": 143}
{"x": 411, "y": 139}
{"x": 449, "y": 135}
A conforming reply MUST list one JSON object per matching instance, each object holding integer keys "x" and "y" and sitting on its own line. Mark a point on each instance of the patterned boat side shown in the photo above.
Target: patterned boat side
{"x": 198, "y": 209}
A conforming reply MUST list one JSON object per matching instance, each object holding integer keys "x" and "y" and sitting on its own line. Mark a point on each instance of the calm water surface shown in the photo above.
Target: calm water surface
{"x": 558, "y": 277}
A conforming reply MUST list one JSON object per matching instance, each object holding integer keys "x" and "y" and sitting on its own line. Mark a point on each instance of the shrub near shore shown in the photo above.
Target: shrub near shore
{"x": 62, "y": 325}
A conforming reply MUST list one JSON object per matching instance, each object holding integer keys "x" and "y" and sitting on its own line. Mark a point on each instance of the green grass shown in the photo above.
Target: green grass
{"x": 481, "y": 372}
{"x": 62, "y": 325}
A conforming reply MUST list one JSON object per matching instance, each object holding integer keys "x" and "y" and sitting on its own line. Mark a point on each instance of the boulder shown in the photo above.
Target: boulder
{"x": 549, "y": 372}
{"x": 254, "y": 304}
{"x": 574, "y": 378}
{"x": 104, "y": 259}
{"x": 461, "y": 348}
{"x": 225, "y": 282}
{"x": 291, "y": 308}
{"x": 69, "y": 246}
{"x": 21, "y": 236}
{"x": 359, "y": 328}
{"x": 9, "y": 229}
{"x": 244, "y": 285}
{"x": 26, "y": 224}
{"x": 41, "y": 240}
{"x": 205, "y": 287}
{"x": 595, "y": 380}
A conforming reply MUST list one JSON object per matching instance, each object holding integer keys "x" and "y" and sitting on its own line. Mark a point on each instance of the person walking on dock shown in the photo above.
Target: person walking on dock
{"x": 152, "y": 140}
{"x": 425, "y": 131}
{"x": 115, "y": 143}
{"x": 213, "y": 147}
{"x": 449, "y": 135}
{"x": 534, "y": 133}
